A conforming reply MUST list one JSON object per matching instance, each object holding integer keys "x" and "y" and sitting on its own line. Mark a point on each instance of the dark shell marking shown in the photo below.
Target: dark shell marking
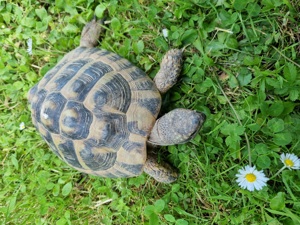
{"x": 95, "y": 110}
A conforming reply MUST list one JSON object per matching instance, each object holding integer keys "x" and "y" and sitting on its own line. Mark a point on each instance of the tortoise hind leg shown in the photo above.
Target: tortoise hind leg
{"x": 162, "y": 172}
{"x": 170, "y": 68}
{"x": 91, "y": 32}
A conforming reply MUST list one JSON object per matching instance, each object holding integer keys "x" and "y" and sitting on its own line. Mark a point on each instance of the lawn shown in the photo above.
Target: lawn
{"x": 241, "y": 68}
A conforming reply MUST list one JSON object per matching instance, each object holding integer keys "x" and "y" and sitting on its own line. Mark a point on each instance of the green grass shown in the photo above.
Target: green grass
{"x": 248, "y": 48}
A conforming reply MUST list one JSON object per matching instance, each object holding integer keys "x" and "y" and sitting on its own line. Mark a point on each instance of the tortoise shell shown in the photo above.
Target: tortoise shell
{"x": 95, "y": 109}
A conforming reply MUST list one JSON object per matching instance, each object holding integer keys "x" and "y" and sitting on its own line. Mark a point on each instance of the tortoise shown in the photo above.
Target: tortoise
{"x": 98, "y": 112}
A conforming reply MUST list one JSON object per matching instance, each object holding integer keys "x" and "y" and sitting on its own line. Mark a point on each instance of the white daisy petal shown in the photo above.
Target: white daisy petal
{"x": 29, "y": 46}
{"x": 250, "y": 187}
{"x": 22, "y": 126}
{"x": 165, "y": 32}
{"x": 291, "y": 161}
{"x": 251, "y": 179}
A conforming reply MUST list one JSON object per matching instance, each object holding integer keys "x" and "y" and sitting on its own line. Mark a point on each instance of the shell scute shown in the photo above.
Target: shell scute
{"x": 50, "y": 111}
{"x": 151, "y": 104}
{"x": 98, "y": 160}
{"x": 115, "y": 93}
{"x": 67, "y": 73}
{"x": 48, "y": 138}
{"x": 75, "y": 121}
{"x": 36, "y": 98}
{"x": 68, "y": 152}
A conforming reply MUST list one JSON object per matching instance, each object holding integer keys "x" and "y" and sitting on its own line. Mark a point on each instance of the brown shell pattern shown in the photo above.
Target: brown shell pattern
{"x": 95, "y": 110}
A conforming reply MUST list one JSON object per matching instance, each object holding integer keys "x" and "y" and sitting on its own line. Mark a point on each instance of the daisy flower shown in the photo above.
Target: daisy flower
{"x": 29, "y": 46}
{"x": 165, "y": 32}
{"x": 22, "y": 126}
{"x": 250, "y": 178}
{"x": 290, "y": 161}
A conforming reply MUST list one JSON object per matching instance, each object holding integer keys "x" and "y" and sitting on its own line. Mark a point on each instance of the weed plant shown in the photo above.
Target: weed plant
{"x": 242, "y": 68}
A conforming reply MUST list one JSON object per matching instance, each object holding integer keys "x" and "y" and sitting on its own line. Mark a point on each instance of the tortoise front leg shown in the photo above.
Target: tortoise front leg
{"x": 162, "y": 172}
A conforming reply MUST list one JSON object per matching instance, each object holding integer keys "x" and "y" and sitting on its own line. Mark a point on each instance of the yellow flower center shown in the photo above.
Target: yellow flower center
{"x": 250, "y": 177}
{"x": 289, "y": 162}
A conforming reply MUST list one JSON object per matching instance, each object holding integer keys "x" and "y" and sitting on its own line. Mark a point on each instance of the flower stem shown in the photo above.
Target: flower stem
{"x": 278, "y": 172}
{"x": 238, "y": 119}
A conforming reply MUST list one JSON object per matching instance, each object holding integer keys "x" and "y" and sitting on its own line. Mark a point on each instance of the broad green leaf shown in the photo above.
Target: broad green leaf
{"x": 175, "y": 96}
{"x": 153, "y": 219}
{"x": 31, "y": 76}
{"x": 294, "y": 94}
{"x": 174, "y": 197}
{"x": 198, "y": 45}
{"x": 138, "y": 47}
{"x": 250, "y": 61}
{"x": 41, "y": 26}
{"x": 208, "y": 61}
{"x": 244, "y": 79}
{"x": 240, "y": 4}
{"x": 263, "y": 162}
{"x": 28, "y": 22}
{"x": 149, "y": 209}
{"x": 282, "y": 139}
{"x": 272, "y": 3}
{"x": 232, "y": 129}
{"x": 18, "y": 85}
{"x": 50, "y": 186}
{"x": 197, "y": 77}
{"x": 189, "y": 36}
{"x": 233, "y": 82}
{"x": 14, "y": 161}
{"x": 175, "y": 187}
{"x": 61, "y": 221}
{"x": 137, "y": 181}
{"x": 254, "y": 127}
{"x": 272, "y": 220}
{"x": 261, "y": 148}
{"x": 161, "y": 43}
{"x": 99, "y": 11}
{"x": 181, "y": 222}
{"x": 42, "y": 177}
{"x": 60, "y": 3}
{"x": 115, "y": 24}
{"x": 159, "y": 205}
{"x": 276, "y": 125}
{"x": 56, "y": 190}
{"x": 221, "y": 99}
{"x": 70, "y": 29}
{"x": 12, "y": 204}
{"x": 136, "y": 33}
{"x": 41, "y": 13}
{"x": 233, "y": 141}
{"x": 214, "y": 46}
{"x": 67, "y": 188}
{"x": 276, "y": 108}
{"x": 226, "y": 18}
{"x": 169, "y": 218}
{"x": 290, "y": 72}
{"x": 253, "y": 9}
{"x": 278, "y": 203}
{"x": 232, "y": 43}
{"x": 207, "y": 83}
{"x": 6, "y": 17}
{"x": 288, "y": 108}
{"x": 251, "y": 103}
{"x": 67, "y": 215}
